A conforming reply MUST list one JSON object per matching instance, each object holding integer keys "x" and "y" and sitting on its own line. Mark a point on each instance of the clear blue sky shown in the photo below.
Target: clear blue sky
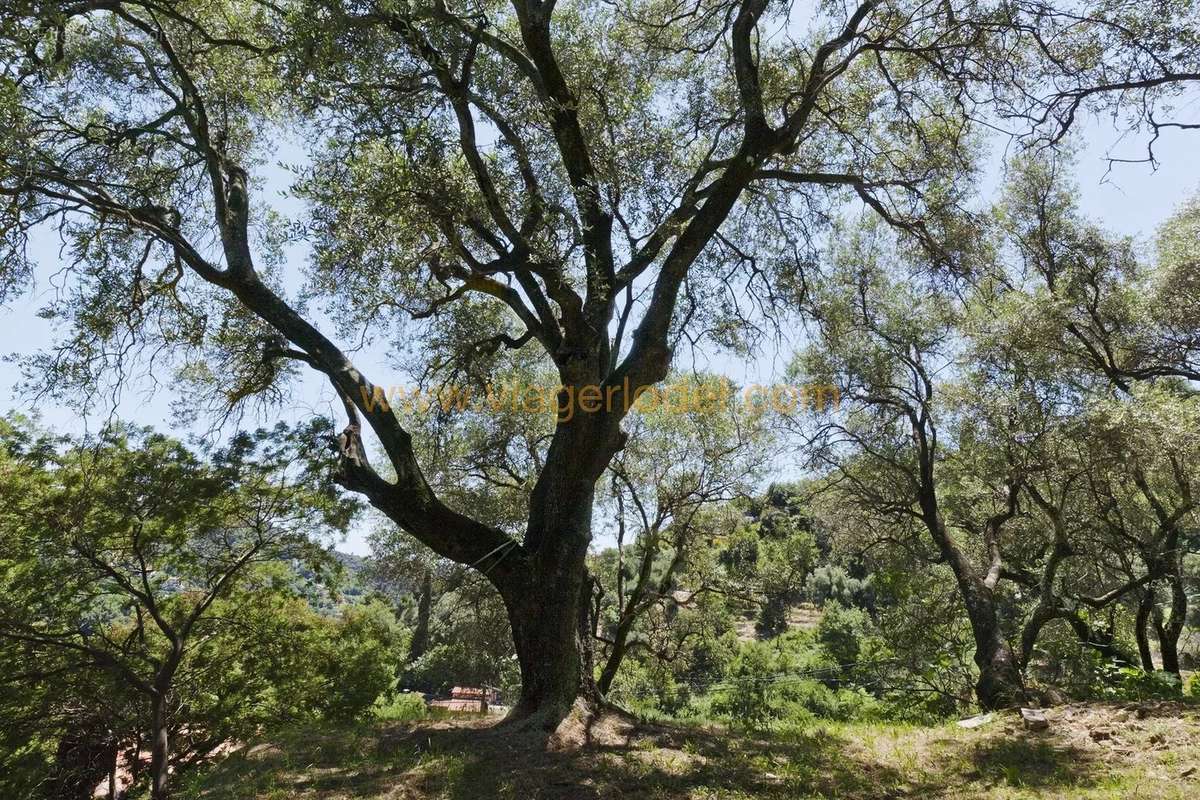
{"x": 1130, "y": 199}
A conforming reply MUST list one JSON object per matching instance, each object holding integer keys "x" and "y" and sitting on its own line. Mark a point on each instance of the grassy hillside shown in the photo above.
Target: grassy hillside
{"x": 1105, "y": 751}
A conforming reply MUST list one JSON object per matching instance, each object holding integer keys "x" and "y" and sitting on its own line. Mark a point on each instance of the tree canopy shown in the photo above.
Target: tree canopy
{"x": 587, "y": 187}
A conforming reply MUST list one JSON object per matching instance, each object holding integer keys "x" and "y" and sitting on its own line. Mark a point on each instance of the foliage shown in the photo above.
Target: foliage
{"x": 403, "y": 707}
{"x": 164, "y": 576}
{"x": 832, "y": 583}
{"x": 841, "y": 631}
{"x": 748, "y": 700}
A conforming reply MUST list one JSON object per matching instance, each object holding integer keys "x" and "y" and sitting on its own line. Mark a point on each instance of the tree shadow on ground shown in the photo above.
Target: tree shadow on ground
{"x": 329, "y": 762}
{"x": 1029, "y": 760}
{"x": 660, "y": 761}
{"x": 652, "y": 761}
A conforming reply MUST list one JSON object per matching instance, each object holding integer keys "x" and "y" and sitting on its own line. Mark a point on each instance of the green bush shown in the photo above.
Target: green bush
{"x": 649, "y": 687}
{"x": 841, "y": 632}
{"x": 746, "y": 698}
{"x": 363, "y": 649}
{"x": 404, "y": 707}
{"x": 831, "y": 583}
{"x": 1132, "y": 683}
{"x": 807, "y": 699}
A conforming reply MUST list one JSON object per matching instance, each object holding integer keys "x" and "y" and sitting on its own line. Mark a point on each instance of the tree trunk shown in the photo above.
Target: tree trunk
{"x": 135, "y": 766}
{"x": 549, "y": 603}
{"x": 420, "y": 638}
{"x": 1000, "y": 683}
{"x": 1168, "y": 649}
{"x": 1140, "y": 624}
{"x": 552, "y": 633}
{"x": 616, "y": 655}
{"x": 160, "y": 748}
{"x": 1099, "y": 640}
{"x": 112, "y": 772}
{"x": 1169, "y": 630}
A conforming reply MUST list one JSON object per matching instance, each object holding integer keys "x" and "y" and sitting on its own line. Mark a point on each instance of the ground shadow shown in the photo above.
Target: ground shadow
{"x": 653, "y": 761}
{"x": 1032, "y": 760}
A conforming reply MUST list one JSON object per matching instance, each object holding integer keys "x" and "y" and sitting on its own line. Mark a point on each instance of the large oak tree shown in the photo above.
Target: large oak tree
{"x": 601, "y": 181}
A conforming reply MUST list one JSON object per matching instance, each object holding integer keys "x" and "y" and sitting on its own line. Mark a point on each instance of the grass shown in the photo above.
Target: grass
{"x": 1098, "y": 751}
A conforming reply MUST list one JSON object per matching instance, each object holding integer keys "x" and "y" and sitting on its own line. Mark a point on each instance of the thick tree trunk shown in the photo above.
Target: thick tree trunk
{"x": 549, "y": 599}
{"x": 551, "y": 631}
{"x": 1000, "y": 683}
{"x": 549, "y": 603}
{"x": 160, "y": 747}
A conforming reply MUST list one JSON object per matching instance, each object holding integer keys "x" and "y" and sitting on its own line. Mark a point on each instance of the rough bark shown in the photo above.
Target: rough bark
{"x": 552, "y": 636}
{"x": 1000, "y": 683}
{"x": 160, "y": 747}
{"x": 549, "y": 601}
{"x": 1169, "y": 630}
{"x": 1140, "y": 624}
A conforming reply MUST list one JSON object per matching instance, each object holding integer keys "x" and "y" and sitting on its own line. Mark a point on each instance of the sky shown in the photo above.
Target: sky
{"x": 1127, "y": 198}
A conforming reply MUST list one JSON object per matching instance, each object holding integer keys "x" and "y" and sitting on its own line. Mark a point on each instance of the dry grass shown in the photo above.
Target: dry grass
{"x": 1098, "y": 751}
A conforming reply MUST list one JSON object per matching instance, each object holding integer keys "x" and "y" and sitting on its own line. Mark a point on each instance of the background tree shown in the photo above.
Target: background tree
{"x": 118, "y": 555}
{"x": 987, "y": 414}
{"x": 887, "y": 336}
{"x": 688, "y": 451}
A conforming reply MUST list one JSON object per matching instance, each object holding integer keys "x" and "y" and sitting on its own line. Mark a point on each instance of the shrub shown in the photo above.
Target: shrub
{"x": 841, "y": 632}
{"x": 831, "y": 583}
{"x": 404, "y": 707}
{"x": 745, "y": 700}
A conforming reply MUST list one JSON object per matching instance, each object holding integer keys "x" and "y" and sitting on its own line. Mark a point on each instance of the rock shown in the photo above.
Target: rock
{"x": 977, "y": 721}
{"x": 1034, "y": 719}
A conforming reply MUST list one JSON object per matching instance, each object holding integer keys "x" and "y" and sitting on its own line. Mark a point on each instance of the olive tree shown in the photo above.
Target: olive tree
{"x": 598, "y": 181}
